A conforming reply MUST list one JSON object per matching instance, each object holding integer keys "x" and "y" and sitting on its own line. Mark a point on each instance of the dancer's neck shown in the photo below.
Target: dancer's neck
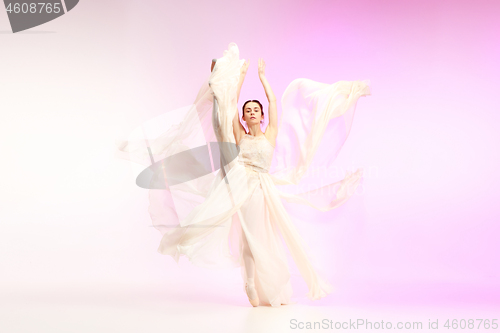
{"x": 255, "y": 131}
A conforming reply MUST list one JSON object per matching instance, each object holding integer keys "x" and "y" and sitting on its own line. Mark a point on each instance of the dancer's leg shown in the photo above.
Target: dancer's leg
{"x": 249, "y": 262}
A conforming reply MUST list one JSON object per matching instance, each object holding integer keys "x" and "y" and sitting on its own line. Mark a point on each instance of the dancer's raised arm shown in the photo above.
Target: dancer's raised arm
{"x": 273, "y": 108}
{"x": 238, "y": 129}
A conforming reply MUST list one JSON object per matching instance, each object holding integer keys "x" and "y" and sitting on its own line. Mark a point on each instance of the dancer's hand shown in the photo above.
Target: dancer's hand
{"x": 244, "y": 67}
{"x": 262, "y": 67}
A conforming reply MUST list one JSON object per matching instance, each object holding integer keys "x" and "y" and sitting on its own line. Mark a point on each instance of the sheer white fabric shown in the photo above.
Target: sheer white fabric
{"x": 215, "y": 219}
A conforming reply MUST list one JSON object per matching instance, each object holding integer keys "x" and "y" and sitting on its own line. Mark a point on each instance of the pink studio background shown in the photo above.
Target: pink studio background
{"x": 423, "y": 230}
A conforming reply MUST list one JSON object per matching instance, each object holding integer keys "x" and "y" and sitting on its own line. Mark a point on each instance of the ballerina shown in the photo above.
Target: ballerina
{"x": 252, "y": 115}
{"x": 238, "y": 218}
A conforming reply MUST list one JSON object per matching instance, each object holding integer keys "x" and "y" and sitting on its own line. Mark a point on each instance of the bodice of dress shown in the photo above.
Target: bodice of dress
{"x": 256, "y": 152}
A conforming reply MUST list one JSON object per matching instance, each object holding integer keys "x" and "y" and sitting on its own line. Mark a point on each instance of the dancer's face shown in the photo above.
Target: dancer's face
{"x": 252, "y": 113}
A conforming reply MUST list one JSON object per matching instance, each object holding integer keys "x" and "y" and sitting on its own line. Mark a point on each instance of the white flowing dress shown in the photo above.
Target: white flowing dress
{"x": 205, "y": 217}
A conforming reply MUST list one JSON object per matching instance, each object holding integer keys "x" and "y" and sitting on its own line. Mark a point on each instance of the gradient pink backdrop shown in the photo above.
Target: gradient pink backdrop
{"x": 425, "y": 228}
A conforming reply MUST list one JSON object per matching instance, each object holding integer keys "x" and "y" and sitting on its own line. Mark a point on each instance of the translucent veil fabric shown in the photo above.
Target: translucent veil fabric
{"x": 315, "y": 123}
{"x": 199, "y": 216}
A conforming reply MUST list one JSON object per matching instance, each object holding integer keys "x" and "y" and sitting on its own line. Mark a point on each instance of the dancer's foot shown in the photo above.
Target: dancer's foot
{"x": 252, "y": 294}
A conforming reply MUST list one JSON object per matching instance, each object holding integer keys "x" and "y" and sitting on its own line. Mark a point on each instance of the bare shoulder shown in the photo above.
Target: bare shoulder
{"x": 238, "y": 129}
{"x": 271, "y": 133}
{"x": 238, "y": 134}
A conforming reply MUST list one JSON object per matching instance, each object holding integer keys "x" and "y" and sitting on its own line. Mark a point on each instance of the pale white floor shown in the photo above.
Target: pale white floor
{"x": 170, "y": 310}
